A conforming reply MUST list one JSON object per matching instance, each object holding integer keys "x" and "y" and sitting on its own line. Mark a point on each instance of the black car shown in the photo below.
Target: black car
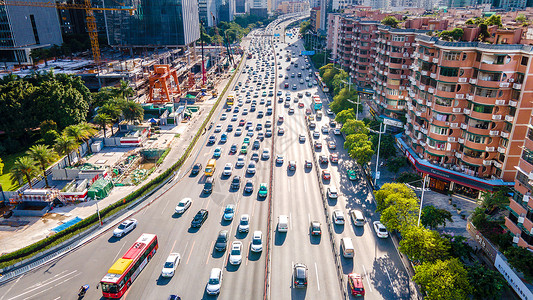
{"x": 196, "y": 169}
{"x": 222, "y": 240}
{"x": 233, "y": 148}
{"x": 236, "y": 182}
{"x": 208, "y": 185}
{"x": 199, "y": 218}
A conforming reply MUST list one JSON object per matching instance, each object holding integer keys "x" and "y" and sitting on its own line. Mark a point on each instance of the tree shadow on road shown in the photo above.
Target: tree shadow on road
{"x": 390, "y": 279}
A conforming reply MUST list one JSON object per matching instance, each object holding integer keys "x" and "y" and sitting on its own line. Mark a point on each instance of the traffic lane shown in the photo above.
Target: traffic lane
{"x": 302, "y": 209}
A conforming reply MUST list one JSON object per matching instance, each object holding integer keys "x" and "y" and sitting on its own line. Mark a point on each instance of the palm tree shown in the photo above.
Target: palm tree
{"x": 88, "y": 131}
{"x": 24, "y": 168}
{"x": 125, "y": 90}
{"x": 80, "y": 132}
{"x": 112, "y": 109}
{"x": 132, "y": 111}
{"x": 103, "y": 119}
{"x": 64, "y": 145}
{"x": 44, "y": 156}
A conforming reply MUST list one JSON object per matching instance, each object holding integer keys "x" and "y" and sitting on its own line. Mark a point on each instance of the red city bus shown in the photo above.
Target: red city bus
{"x": 124, "y": 271}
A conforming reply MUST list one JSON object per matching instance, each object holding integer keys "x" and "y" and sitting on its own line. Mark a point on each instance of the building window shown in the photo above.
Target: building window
{"x": 444, "y": 101}
{"x": 449, "y": 72}
{"x": 439, "y": 130}
{"x": 484, "y": 109}
{"x": 440, "y": 117}
{"x": 527, "y": 155}
{"x": 524, "y": 60}
{"x": 489, "y": 93}
{"x": 436, "y": 144}
{"x": 474, "y": 138}
{"x": 393, "y": 92}
{"x": 490, "y": 76}
{"x": 451, "y": 56}
{"x": 34, "y": 27}
{"x": 398, "y": 38}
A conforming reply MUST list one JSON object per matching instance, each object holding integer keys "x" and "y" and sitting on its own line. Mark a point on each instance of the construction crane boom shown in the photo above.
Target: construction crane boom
{"x": 89, "y": 17}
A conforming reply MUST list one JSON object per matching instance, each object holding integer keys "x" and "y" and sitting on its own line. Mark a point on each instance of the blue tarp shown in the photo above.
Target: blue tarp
{"x": 66, "y": 224}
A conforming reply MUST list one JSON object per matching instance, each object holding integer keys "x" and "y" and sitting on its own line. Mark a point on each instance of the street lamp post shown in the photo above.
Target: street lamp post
{"x": 377, "y": 157}
{"x": 422, "y": 199}
{"x": 357, "y": 108}
{"x": 98, "y": 212}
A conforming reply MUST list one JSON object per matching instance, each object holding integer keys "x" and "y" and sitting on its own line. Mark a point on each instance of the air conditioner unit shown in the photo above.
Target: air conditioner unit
{"x": 511, "y": 79}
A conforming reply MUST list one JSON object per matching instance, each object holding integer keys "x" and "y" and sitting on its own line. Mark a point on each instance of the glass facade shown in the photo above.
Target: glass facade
{"x": 155, "y": 23}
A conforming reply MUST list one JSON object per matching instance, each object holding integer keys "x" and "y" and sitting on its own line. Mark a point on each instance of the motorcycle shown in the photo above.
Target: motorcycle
{"x": 210, "y": 125}
{"x": 82, "y": 291}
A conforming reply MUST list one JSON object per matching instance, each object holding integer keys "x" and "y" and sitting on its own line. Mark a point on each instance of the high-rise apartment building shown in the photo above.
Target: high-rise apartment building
{"x": 520, "y": 219}
{"x": 240, "y": 6}
{"x": 259, "y": 8}
{"x": 156, "y": 23}
{"x": 207, "y": 9}
{"x": 25, "y": 28}
{"x": 226, "y": 10}
{"x": 289, "y": 7}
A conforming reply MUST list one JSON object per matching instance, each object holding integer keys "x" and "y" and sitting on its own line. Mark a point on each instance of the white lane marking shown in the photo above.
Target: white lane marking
{"x": 392, "y": 285}
{"x": 367, "y": 280}
{"x": 317, "y": 281}
{"x": 119, "y": 251}
{"x": 305, "y": 186}
{"x": 60, "y": 283}
{"x": 164, "y": 210}
{"x": 290, "y": 220}
{"x": 309, "y": 218}
{"x": 1, "y": 298}
{"x": 173, "y": 245}
{"x": 42, "y": 285}
{"x": 38, "y": 293}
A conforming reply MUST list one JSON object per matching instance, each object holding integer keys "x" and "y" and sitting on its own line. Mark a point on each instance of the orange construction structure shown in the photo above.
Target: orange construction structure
{"x": 162, "y": 89}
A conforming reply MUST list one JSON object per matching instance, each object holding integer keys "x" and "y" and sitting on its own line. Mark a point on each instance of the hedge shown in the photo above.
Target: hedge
{"x": 51, "y": 241}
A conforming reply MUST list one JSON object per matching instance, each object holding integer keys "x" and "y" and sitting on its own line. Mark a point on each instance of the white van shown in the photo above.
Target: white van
{"x": 319, "y": 115}
{"x": 357, "y": 217}
{"x": 283, "y": 223}
{"x": 347, "y": 247}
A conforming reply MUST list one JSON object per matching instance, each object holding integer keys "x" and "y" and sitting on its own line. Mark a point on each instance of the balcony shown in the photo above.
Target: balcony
{"x": 475, "y": 146}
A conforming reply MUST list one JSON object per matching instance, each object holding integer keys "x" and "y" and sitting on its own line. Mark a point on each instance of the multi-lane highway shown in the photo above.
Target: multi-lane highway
{"x": 298, "y": 194}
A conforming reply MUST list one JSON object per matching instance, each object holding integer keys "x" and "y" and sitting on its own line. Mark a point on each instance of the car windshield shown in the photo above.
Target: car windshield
{"x": 381, "y": 229}
{"x": 235, "y": 252}
{"x": 121, "y": 226}
{"x": 169, "y": 265}
{"x": 221, "y": 239}
{"x": 244, "y": 222}
{"x": 181, "y": 204}
{"x": 228, "y": 210}
{"x": 213, "y": 281}
{"x": 256, "y": 241}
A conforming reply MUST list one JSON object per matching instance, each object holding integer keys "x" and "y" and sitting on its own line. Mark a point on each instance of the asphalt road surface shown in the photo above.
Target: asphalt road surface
{"x": 296, "y": 194}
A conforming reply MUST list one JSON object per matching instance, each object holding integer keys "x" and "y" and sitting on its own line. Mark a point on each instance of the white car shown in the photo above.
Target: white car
{"x": 215, "y": 282}
{"x": 238, "y": 132}
{"x": 125, "y": 227}
{"x": 240, "y": 161}
{"x": 380, "y": 229}
{"x": 183, "y": 205}
{"x": 228, "y": 169}
{"x": 265, "y": 154}
{"x": 218, "y": 128}
{"x": 223, "y": 117}
{"x": 257, "y": 242}
{"x": 173, "y": 260}
{"x": 244, "y": 223}
{"x": 332, "y": 192}
{"x": 338, "y": 217}
{"x": 251, "y": 168}
{"x": 235, "y": 256}
{"x": 234, "y": 118}
{"x": 279, "y": 159}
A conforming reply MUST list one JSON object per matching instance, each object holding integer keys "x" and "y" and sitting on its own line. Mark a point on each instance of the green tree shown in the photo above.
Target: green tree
{"x": 452, "y": 35}
{"x": 351, "y": 126}
{"x": 132, "y": 111}
{"x": 103, "y": 120}
{"x": 112, "y": 109}
{"x": 65, "y": 145}
{"x": 400, "y": 212}
{"x": 390, "y": 21}
{"x": 49, "y": 137}
{"x": 24, "y": 168}
{"x": 80, "y": 133}
{"x": 410, "y": 178}
{"x": 1, "y": 166}
{"x": 521, "y": 18}
{"x": 443, "y": 280}
{"x": 458, "y": 246}
{"x": 521, "y": 259}
{"x": 494, "y": 20}
{"x": 493, "y": 200}
{"x": 433, "y": 217}
{"x": 44, "y": 156}
{"x": 304, "y": 27}
{"x": 423, "y": 245}
{"x": 386, "y": 145}
{"x": 338, "y": 81}
{"x": 125, "y": 90}
{"x": 390, "y": 189}
{"x": 345, "y": 115}
{"x": 359, "y": 148}
{"x": 46, "y": 126}
{"x": 340, "y": 101}
{"x": 486, "y": 284}
{"x": 394, "y": 164}
{"x": 14, "y": 106}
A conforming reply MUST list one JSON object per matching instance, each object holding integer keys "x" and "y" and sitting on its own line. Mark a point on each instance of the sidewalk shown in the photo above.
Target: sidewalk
{"x": 14, "y": 238}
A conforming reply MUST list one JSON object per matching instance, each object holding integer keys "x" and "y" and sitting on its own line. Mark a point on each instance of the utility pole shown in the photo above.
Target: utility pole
{"x": 204, "y": 78}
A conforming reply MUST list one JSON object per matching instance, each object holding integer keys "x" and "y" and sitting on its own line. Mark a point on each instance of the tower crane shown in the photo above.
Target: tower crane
{"x": 89, "y": 17}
